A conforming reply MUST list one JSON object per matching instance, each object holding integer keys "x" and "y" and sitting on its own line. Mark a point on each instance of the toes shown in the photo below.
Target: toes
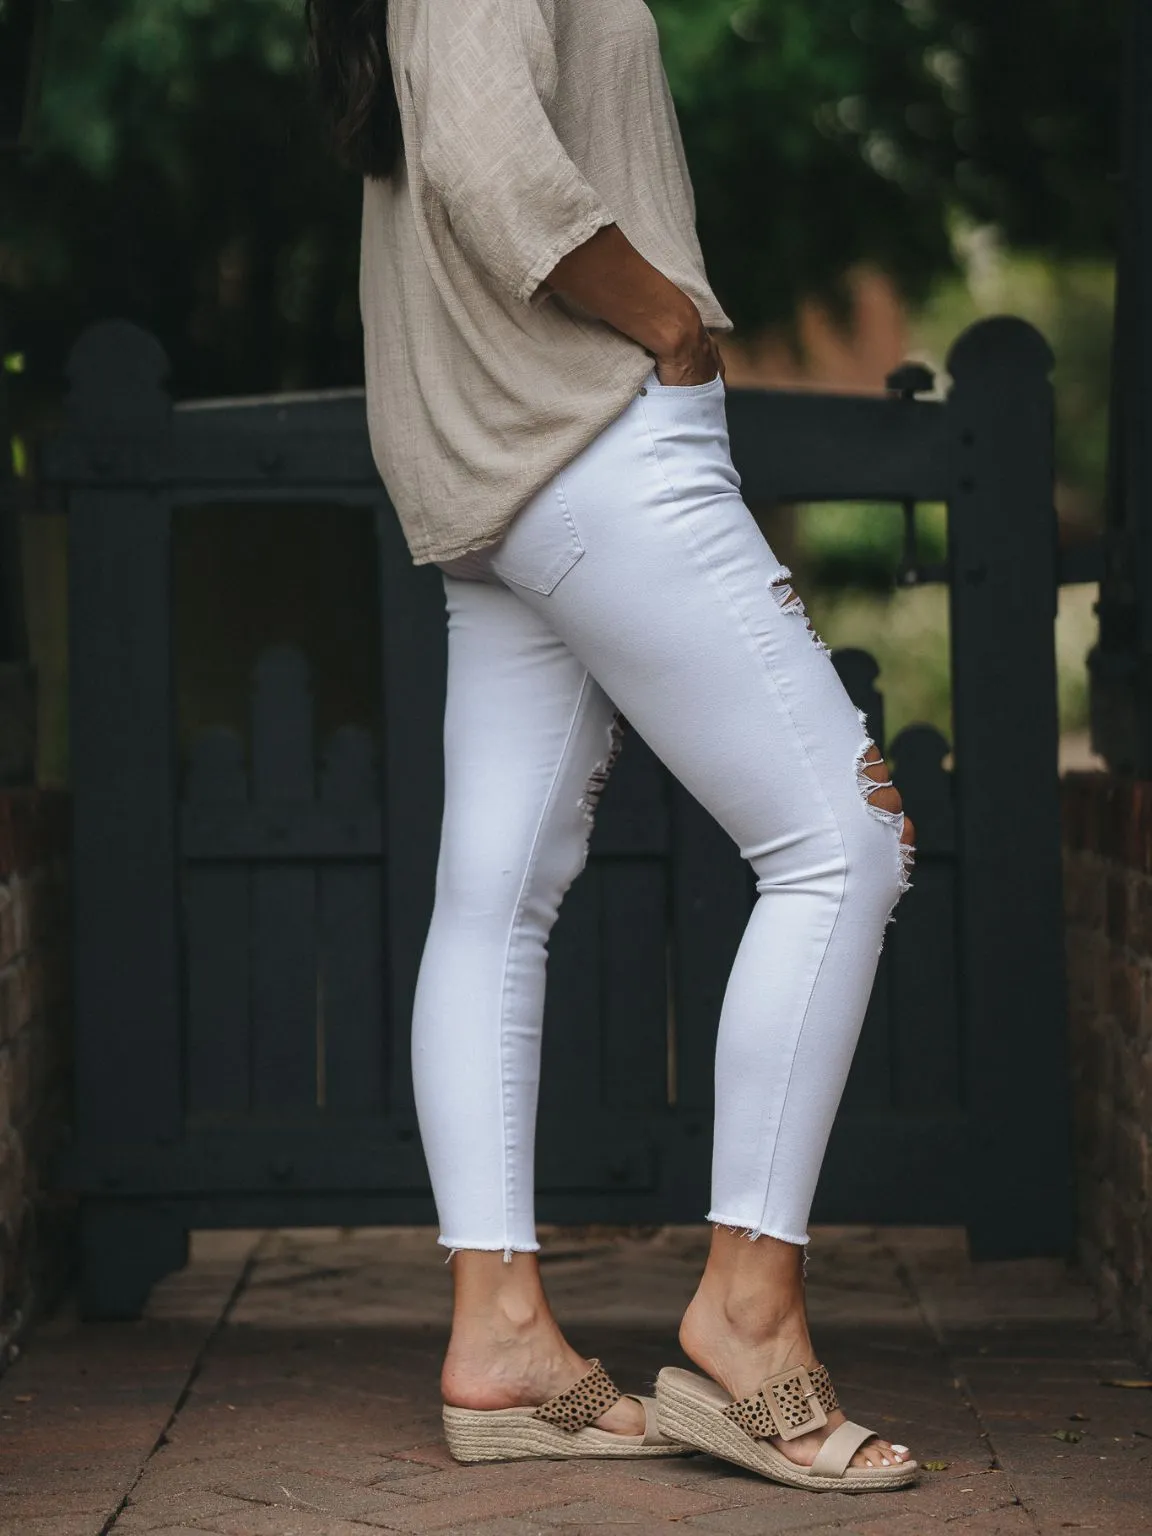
{"x": 879, "y": 1453}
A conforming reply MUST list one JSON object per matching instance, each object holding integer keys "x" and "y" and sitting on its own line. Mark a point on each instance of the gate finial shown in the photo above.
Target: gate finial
{"x": 118, "y": 373}
{"x": 1003, "y": 343}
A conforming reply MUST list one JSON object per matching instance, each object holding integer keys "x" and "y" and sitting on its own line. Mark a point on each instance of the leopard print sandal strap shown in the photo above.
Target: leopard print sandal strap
{"x": 787, "y": 1405}
{"x": 583, "y": 1402}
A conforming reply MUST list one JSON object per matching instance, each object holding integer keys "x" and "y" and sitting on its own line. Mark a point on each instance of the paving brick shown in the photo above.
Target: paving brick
{"x": 434, "y": 1454}
{"x": 167, "y": 1530}
{"x": 53, "y": 1525}
{"x": 294, "y": 1491}
{"x": 511, "y": 1525}
{"x": 632, "y": 1486}
{"x": 262, "y": 1521}
{"x": 596, "y": 1514}
{"x": 808, "y": 1512}
{"x": 1103, "y": 1498}
{"x": 484, "y": 1503}
{"x": 17, "y": 1507}
{"x": 186, "y": 1508}
{"x": 365, "y": 1470}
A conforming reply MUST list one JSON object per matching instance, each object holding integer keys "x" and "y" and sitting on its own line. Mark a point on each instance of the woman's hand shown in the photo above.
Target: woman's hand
{"x": 608, "y": 277}
{"x": 695, "y": 359}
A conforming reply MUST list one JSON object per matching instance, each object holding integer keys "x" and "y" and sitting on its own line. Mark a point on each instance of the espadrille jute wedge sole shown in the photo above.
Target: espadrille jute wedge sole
{"x": 692, "y": 1410}
{"x": 515, "y": 1434}
{"x": 562, "y": 1429}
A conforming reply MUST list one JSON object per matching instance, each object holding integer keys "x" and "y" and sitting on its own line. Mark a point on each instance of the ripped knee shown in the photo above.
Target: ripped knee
{"x": 883, "y": 801}
{"x": 881, "y": 794}
{"x": 790, "y": 603}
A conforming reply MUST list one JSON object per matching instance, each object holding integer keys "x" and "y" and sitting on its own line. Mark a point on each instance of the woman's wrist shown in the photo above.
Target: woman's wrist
{"x": 679, "y": 332}
{"x": 608, "y": 277}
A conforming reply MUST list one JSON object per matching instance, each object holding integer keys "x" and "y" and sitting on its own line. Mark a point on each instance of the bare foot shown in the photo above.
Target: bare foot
{"x": 507, "y": 1350}
{"x": 747, "y": 1322}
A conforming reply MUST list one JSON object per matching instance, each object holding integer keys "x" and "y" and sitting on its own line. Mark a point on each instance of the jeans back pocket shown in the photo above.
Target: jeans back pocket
{"x": 541, "y": 545}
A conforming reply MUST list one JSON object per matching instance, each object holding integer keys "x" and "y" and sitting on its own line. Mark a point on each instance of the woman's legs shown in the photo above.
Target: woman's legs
{"x": 682, "y": 613}
{"x": 527, "y": 738}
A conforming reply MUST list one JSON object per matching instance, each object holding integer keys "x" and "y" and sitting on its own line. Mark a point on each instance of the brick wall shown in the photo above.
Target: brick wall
{"x": 34, "y": 1051}
{"x": 1108, "y": 883}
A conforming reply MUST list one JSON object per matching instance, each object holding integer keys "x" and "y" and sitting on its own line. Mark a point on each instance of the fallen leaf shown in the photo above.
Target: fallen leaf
{"x": 935, "y": 1466}
{"x": 1135, "y": 1386}
{"x": 1069, "y": 1436}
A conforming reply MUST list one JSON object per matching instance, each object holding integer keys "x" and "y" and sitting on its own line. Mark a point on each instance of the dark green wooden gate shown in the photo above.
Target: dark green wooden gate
{"x": 250, "y": 911}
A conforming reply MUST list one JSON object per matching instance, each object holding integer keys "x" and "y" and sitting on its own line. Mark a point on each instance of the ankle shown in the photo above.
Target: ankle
{"x": 747, "y": 1323}
{"x": 751, "y": 1305}
{"x": 503, "y": 1322}
{"x": 509, "y": 1297}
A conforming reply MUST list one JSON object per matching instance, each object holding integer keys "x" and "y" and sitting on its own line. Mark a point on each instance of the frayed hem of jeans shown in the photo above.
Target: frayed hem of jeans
{"x": 741, "y": 1229}
{"x": 507, "y": 1249}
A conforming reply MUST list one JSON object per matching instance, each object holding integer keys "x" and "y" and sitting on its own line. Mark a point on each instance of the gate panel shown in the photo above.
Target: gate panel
{"x": 243, "y": 1053}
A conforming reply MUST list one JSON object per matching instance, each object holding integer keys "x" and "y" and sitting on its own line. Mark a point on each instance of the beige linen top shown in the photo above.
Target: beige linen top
{"x": 528, "y": 125}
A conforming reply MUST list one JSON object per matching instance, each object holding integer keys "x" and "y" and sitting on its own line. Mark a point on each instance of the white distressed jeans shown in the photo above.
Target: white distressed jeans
{"x": 637, "y": 582}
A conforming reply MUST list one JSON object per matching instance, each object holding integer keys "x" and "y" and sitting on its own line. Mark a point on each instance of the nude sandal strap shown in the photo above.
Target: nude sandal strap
{"x": 583, "y": 1402}
{"x": 838, "y": 1450}
{"x": 652, "y": 1432}
{"x": 787, "y": 1405}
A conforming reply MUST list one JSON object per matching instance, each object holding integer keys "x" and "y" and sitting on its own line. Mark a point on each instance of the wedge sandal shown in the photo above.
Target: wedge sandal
{"x": 561, "y": 1429}
{"x": 698, "y": 1413}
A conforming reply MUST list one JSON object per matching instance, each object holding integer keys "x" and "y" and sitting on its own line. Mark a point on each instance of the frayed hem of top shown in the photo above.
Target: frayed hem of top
{"x": 752, "y": 1233}
{"x": 458, "y": 551}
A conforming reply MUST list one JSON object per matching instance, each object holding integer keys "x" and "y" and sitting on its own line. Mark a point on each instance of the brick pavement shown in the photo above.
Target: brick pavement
{"x": 285, "y": 1385}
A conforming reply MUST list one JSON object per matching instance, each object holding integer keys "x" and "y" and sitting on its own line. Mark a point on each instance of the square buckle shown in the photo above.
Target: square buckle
{"x": 792, "y": 1404}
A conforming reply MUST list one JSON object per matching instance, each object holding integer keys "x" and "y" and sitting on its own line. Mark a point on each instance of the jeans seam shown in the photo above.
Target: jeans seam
{"x": 577, "y": 710}
{"x": 566, "y": 510}
{"x": 759, "y": 655}
{"x": 672, "y": 491}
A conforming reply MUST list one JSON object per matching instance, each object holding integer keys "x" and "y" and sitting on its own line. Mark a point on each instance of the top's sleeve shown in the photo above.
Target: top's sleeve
{"x": 478, "y": 76}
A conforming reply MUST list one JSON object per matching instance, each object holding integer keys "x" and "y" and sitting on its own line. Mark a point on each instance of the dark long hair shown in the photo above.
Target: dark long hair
{"x": 352, "y": 74}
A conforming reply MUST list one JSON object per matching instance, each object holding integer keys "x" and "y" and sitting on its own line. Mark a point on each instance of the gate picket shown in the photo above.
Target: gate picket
{"x": 352, "y": 1022}
{"x": 571, "y": 1070}
{"x": 869, "y": 1086}
{"x": 284, "y": 939}
{"x": 634, "y": 1013}
{"x": 925, "y": 1006}
{"x": 216, "y": 942}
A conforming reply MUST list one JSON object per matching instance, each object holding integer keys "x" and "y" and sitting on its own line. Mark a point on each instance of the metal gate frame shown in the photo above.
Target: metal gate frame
{"x": 127, "y": 457}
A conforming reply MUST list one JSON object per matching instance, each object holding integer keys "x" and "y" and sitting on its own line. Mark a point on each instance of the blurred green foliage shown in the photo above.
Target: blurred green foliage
{"x": 181, "y": 180}
{"x": 908, "y": 634}
{"x": 860, "y": 544}
{"x": 1070, "y": 300}
{"x": 966, "y": 147}
{"x": 823, "y": 132}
